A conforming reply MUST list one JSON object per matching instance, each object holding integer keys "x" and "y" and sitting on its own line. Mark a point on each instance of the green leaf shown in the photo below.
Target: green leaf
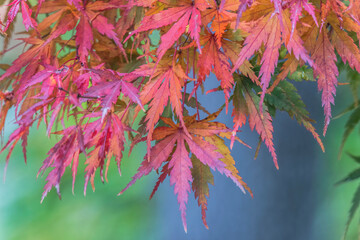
{"x": 354, "y": 207}
{"x": 202, "y": 176}
{"x": 285, "y": 98}
{"x": 355, "y": 158}
{"x": 352, "y": 176}
{"x": 193, "y": 103}
{"x": 354, "y": 84}
{"x": 346, "y": 110}
{"x": 302, "y": 73}
{"x": 349, "y": 127}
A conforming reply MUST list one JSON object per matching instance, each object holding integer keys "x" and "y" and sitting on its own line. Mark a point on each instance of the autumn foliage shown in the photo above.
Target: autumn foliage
{"x": 131, "y": 71}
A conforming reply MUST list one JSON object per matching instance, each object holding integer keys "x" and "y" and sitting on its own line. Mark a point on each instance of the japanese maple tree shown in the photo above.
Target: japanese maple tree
{"x": 126, "y": 72}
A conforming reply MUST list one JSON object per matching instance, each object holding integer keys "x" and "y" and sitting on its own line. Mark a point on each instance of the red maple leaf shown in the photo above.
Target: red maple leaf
{"x": 174, "y": 148}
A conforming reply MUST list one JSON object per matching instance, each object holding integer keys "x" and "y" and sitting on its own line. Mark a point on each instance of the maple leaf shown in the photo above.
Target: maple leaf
{"x": 182, "y": 16}
{"x": 299, "y": 46}
{"x": 25, "y": 59}
{"x": 213, "y": 59}
{"x": 271, "y": 31}
{"x": 76, "y": 3}
{"x": 110, "y": 91}
{"x": 101, "y": 24}
{"x": 267, "y": 31}
{"x": 293, "y": 41}
{"x": 285, "y": 98}
{"x": 65, "y": 24}
{"x": 164, "y": 173}
{"x": 20, "y": 133}
{"x": 166, "y": 84}
{"x": 296, "y": 12}
{"x": 231, "y": 45}
{"x": 246, "y": 103}
{"x": 240, "y": 111}
{"x": 289, "y": 67}
{"x": 242, "y": 7}
{"x": 325, "y": 58}
{"x": 89, "y": 19}
{"x": 350, "y": 125}
{"x": 26, "y": 14}
{"x": 352, "y": 11}
{"x": 336, "y": 7}
{"x": 229, "y": 161}
{"x": 60, "y": 156}
{"x": 172, "y": 148}
{"x": 220, "y": 17}
{"x": 344, "y": 44}
{"x": 143, "y": 3}
{"x": 6, "y": 102}
{"x": 84, "y": 38}
{"x": 108, "y": 140}
{"x": 202, "y": 177}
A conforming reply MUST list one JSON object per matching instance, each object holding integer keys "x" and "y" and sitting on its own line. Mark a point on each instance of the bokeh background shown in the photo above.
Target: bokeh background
{"x": 299, "y": 201}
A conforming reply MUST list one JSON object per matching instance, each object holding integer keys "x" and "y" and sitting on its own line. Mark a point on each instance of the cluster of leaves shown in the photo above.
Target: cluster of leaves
{"x": 97, "y": 62}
